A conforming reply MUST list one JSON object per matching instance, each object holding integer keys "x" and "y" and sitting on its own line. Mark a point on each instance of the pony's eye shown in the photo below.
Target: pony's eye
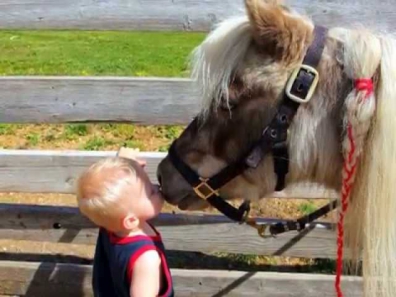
{"x": 227, "y": 106}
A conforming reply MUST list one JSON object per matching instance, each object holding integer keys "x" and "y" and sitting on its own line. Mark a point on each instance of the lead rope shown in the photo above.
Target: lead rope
{"x": 360, "y": 108}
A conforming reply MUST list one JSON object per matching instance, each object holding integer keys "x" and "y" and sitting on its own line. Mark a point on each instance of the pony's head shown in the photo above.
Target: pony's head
{"x": 242, "y": 69}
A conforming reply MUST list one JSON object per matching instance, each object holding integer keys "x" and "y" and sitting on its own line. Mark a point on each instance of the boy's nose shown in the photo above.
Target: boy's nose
{"x": 159, "y": 177}
{"x": 156, "y": 188}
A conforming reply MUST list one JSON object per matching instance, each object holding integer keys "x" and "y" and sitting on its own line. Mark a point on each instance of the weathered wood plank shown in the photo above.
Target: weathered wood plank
{"x": 182, "y": 232}
{"x": 43, "y": 171}
{"x": 55, "y": 279}
{"x": 184, "y": 15}
{"x": 82, "y": 99}
{"x": 54, "y": 171}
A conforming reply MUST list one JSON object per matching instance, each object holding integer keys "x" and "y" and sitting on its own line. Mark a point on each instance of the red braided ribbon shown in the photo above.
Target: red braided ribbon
{"x": 364, "y": 84}
{"x": 346, "y": 190}
{"x": 349, "y": 170}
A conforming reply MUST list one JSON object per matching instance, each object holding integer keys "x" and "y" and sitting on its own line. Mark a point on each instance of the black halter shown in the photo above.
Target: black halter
{"x": 299, "y": 90}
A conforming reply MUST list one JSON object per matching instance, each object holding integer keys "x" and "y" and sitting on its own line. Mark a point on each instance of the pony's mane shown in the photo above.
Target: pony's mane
{"x": 370, "y": 226}
{"x": 214, "y": 60}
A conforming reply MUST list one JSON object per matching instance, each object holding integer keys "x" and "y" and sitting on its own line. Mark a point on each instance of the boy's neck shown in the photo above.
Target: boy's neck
{"x": 143, "y": 229}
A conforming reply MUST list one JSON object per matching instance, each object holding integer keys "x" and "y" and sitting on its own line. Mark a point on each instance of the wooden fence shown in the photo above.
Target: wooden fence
{"x": 186, "y": 15}
{"x": 142, "y": 101}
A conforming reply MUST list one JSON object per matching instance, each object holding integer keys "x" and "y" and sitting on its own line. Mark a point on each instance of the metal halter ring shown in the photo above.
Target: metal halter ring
{"x": 245, "y": 217}
{"x": 261, "y": 228}
{"x": 261, "y": 231}
{"x": 246, "y": 212}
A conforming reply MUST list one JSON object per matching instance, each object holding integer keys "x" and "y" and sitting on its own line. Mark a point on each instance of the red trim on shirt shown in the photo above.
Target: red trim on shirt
{"x": 154, "y": 229}
{"x": 134, "y": 258}
{"x": 165, "y": 268}
{"x": 114, "y": 239}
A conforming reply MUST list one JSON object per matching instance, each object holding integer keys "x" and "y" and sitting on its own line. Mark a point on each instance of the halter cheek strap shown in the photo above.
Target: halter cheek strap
{"x": 299, "y": 90}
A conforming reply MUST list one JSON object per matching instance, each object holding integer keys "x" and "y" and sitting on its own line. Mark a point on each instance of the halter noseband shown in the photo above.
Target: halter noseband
{"x": 299, "y": 90}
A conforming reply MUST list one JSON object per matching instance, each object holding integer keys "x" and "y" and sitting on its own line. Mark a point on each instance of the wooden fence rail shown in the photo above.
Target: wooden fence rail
{"x": 65, "y": 280}
{"x": 181, "y": 232}
{"x": 148, "y": 101}
{"x": 46, "y": 171}
{"x": 178, "y": 15}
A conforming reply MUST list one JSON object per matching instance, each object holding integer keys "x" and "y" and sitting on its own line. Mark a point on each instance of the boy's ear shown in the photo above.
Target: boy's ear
{"x": 130, "y": 222}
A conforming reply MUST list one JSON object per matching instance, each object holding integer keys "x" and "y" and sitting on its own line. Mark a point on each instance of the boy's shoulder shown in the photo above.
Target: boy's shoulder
{"x": 145, "y": 262}
{"x": 128, "y": 253}
{"x": 131, "y": 246}
{"x": 146, "y": 275}
{"x": 138, "y": 258}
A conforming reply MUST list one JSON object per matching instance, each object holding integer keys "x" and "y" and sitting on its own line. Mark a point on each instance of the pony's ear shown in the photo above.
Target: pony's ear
{"x": 275, "y": 30}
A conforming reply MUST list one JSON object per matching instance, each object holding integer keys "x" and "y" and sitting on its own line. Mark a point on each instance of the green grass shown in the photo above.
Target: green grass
{"x": 132, "y": 144}
{"x": 96, "y": 53}
{"x": 7, "y": 129}
{"x": 96, "y": 143}
{"x": 72, "y": 131}
{"x": 307, "y": 207}
{"x": 169, "y": 132}
{"x": 33, "y": 139}
{"x": 125, "y": 131}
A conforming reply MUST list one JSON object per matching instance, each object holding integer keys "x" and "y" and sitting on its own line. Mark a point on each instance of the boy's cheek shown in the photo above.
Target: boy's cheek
{"x": 160, "y": 200}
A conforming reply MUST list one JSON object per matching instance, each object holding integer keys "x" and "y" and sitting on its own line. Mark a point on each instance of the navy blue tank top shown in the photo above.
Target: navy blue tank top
{"x": 114, "y": 260}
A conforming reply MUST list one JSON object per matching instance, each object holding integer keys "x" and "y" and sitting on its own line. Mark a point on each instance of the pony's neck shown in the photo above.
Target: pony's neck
{"x": 315, "y": 152}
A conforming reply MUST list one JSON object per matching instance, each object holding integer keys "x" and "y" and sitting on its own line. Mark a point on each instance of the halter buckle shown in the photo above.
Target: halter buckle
{"x": 302, "y": 83}
{"x": 203, "y": 190}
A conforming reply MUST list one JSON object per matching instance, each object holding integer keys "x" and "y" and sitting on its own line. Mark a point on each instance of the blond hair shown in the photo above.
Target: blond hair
{"x": 102, "y": 188}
